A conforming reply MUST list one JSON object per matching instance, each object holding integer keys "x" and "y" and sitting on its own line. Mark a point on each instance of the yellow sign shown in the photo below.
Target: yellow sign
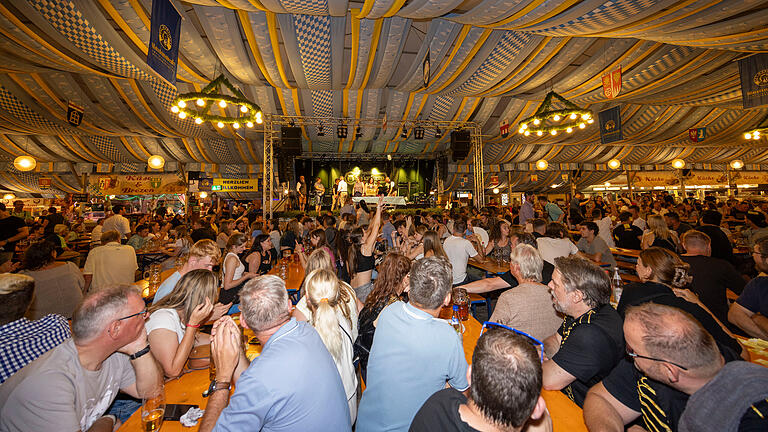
{"x": 235, "y": 185}
{"x": 139, "y": 184}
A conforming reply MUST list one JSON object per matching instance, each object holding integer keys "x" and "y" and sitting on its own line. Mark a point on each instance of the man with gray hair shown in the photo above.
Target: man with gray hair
{"x": 292, "y": 385}
{"x": 528, "y": 307}
{"x": 590, "y": 342}
{"x": 71, "y": 386}
{"x": 414, "y": 352}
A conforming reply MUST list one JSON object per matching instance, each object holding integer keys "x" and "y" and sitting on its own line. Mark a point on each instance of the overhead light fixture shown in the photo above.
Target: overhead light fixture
{"x": 9, "y": 196}
{"x": 614, "y": 164}
{"x": 404, "y": 133}
{"x": 243, "y": 109}
{"x": 25, "y": 163}
{"x": 236, "y": 125}
{"x": 156, "y": 162}
{"x": 220, "y": 125}
{"x": 341, "y": 131}
{"x": 249, "y": 124}
{"x": 737, "y": 164}
{"x": 542, "y": 164}
{"x": 496, "y": 191}
{"x": 112, "y": 196}
{"x": 418, "y": 133}
{"x": 175, "y": 110}
{"x": 320, "y": 131}
{"x": 182, "y": 115}
{"x": 389, "y": 157}
{"x": 222, "y": 103}
{"x": 198, "y": 120}
{"x": 182, "y": 104}
{"x": 358, "y": 132}
{"x": 203, "y": 195}
{"x": 678, "y": 164}
{"x": 200, "y": 102}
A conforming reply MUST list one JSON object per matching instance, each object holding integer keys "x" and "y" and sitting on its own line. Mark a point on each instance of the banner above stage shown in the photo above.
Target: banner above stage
{"x": 235, "y": 185}
{"x": 149, "y": 184}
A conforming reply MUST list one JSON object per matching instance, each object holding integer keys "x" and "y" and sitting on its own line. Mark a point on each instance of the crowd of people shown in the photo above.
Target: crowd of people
{"x": 665, "y": 357}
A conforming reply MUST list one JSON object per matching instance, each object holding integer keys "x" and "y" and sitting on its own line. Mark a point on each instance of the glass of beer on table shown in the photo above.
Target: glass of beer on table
{"x": 153, "y": 408}
{"x": 461, "y": 299}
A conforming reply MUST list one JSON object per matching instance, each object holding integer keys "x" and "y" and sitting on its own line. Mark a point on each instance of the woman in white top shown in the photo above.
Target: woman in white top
{"x": 330, "y": 316}
{"x": 224, "y": 232}
{"x": 320, "y": 259}
{"x": 174, "y": 321}
{"x": 555, "y": 243}
{"x": 233, "y": 270}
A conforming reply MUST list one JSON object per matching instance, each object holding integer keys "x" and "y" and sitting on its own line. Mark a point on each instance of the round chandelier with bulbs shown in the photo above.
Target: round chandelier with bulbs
{"x": 197, "y": 106}
{"x": 550, "y": 121}
{"x": 24, "y": 163}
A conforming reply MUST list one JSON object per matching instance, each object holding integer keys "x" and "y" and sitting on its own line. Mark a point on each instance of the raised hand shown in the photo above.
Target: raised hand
{"x": 201, "y": 312}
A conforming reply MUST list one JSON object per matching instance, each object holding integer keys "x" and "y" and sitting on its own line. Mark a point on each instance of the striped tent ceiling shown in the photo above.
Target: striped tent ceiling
{"x": 491, "y": 61}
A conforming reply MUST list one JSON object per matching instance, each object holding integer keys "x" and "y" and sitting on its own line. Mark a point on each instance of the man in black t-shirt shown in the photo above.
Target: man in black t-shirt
{"x": 590, "y": 341}
{"x": 504, "y": 391}
{"x": 626, "y": 235}
{"x": 721, "y": 245}
{"x": 678, "y": 380}
{"x": 12, "y": 229}
{"x": 51, "y": 220}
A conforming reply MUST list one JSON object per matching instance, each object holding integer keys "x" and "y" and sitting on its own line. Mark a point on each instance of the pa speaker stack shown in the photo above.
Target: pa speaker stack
{"x": 460, "y": 145}
{"x": 290, "y": 141}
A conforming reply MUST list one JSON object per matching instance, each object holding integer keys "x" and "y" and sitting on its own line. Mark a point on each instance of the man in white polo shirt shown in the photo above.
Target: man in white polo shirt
{"x": 459, "y": 250}
{"x": 110, "y": 264}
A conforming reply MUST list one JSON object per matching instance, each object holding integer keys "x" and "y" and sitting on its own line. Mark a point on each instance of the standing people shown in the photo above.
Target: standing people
{"x": 526, "y": 210}
{"x": 335, "y": 194}
{"x": 12, "y": 229}
{"x": 319, "y": 193}
{"x": 359, "y": 188}
{"x": 360, "y": 260}
{"x": 301, "y": 193}
{"x": 117, "y": 222}
{"x": 233, "y": 270}
{"x": 54, "y": 218}
{"x": 552, "y": 212}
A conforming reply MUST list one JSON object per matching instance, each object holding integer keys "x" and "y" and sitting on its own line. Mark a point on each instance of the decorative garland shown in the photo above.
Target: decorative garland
{"x": 579, "y": 117}
{"x": 200, "y": 104}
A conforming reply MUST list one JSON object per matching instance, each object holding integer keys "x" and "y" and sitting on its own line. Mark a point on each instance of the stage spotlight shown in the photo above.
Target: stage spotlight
{"x": 438, "y": 132}
{"x": 418, "y": 133}
{"x": 404, "y": 134}
{"x": 389, "y": 157}
{"x": 341, "y": 131}
{"x": 320, "y": 131}
{"x": 358, "y": 132}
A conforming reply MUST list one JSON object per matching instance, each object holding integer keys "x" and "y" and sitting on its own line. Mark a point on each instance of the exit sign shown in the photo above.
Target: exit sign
{"x": 215, "y": 187}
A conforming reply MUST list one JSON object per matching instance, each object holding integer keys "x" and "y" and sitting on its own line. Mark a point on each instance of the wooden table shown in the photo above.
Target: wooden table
{"x": 143, "y": 285}
{"x": 490, "y": 266}
{"x": 188, "y": 389}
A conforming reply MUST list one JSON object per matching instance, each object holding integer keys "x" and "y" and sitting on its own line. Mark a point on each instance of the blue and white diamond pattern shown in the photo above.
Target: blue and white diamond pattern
{"x": 107, "y": 147}
{"x": 314, "y": 36}
{"x": 501, "y": 56}
{"x": 9, "y": 103}
{"x": 312, "y": 7}
{"x": 601, "y": 18}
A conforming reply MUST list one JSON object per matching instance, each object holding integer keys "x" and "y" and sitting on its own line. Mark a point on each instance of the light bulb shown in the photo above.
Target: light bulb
{"x": 747, "y": 135}
{"x": 243, "y": 109}
{"x": 556, "y": 118}
{"x": 524, "y": 125}
{"x": 569, "y": 130}
{"x": 182, "y": 104}
{"x": 584, "y": 116}
{"x": 553, "y": 132}
{"x": 25, "y": 163}
{"x": 573, "y": 116}
{"x": 249, "y": 124}
{"x": 220, "y": 125}
{"x": 590, "y": 121}
{"x": 614, "y": 163}
{"x": 526, "y": 133}
{"x": 156, "y": 162}
{"x": 200, "y": 102}
{"x": 521, "y": 130}
{"x": 203, "y": 195}
{"x": 582, "y": 125}
{"x": 236, "y": 125}
{"x": 175, "y": 109}
{"x": 737, "y": 164}
{"x": 9, "y": 196}
{"x": 539, "y": 133}
{"x": 607, "y": 184}
{"x": 182, "y": 115}
{"x": 259, "y": 120}
{"x": 198, "y": 120}
{"x": 223, "y": 103}
{"x": 542, "y": 164}
{"x": 678, "y": 164}
{"x": 536, "y": 121}
{"x": 496, "y": 190}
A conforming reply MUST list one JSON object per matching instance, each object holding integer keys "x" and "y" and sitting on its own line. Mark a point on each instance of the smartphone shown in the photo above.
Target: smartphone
{"x": 173, "y": 412}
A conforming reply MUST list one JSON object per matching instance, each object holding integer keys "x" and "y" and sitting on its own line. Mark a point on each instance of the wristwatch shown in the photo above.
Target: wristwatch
{"x": 139, "y": 353}
{"x": 216, "y": 386}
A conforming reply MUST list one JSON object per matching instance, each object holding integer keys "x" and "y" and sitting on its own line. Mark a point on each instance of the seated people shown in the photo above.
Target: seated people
{"x": 110, "y": 263}
{"x": 590, "y": 342}
{"x": 414, "y": 352}
{"x": 202, "y": 255}
{"x": 721, "y": 243}
{"x": 174, "y": 321}
{"x": 659, "y": 235}
{"x": 58, "y": 284}
{"x": 712, "y": 277}
{"x": 139, "y": 240}
{"x": 499, "y": 244}
{"x": 676, "y": 358}
{"x": 757, "y": 227}
{"x": 555, "y": 243}
{"x": 506, "y": 280}
{"x": 392, "y": 282}
{"x": 460, "y": 250}
{"x": 626, "y": 235}
{"x": 673, "y": 222}
{"x": 528, "y": 307}
{"x": 330, "y": 315}
{"x": 593, "y": 246}
{"x": 539, "y": 227}
{"x": 292, "y": 385}
{"x": 750, "y": 311}
{"x": 71, "y": 386}
{"x": 663, "y": 275}
{"x": 233, "y": 271}
{"x": 23, "y": 340}
{"x": 261, "y": 255}
{"x": 504, "y": 390}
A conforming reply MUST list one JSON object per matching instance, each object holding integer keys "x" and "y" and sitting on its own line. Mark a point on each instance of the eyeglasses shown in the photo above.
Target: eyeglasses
{"x": 143, "y": 313}
{"x": 535, "y": 342}
{"x": 631, "y": 353}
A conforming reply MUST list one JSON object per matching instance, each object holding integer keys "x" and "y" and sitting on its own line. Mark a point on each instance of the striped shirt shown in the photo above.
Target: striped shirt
{"x": 22, "y": 341}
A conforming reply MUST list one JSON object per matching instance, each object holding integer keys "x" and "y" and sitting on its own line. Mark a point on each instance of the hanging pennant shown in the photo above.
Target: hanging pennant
{"x": 425, "y": 70}
{"x": 74, "y": 114}
{"x": 165, "y": 26}
{"x": 697, "y": 135}
{"x": 504, "y": 129}
{"x": 754, "y": 80}
{"x": 384, "y": 121}
{"x": 612, "y": 83}
{"x": 610, "y": 125}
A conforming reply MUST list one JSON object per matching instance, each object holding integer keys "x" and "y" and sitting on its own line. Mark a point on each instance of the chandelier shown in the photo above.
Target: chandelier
{"x": 547, "y": 120}
{"x": 197, "y": 105}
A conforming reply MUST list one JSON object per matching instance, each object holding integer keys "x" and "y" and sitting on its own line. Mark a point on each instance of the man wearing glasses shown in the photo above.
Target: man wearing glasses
{"x": 750, "y": 310}
{"x": 590, "y": 341}
{"x": 71, "y": 386}
{"x": 676, "y": 379}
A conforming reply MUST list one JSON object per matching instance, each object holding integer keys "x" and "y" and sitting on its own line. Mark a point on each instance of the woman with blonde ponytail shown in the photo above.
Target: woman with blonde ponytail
{"x": 323, "y": 293}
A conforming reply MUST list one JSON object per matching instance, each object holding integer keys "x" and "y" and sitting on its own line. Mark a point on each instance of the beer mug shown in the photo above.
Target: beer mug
{"x": 461, "y": 299}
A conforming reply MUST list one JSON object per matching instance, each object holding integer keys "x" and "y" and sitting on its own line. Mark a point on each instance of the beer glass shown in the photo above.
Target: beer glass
{"x": 153, "y": 409}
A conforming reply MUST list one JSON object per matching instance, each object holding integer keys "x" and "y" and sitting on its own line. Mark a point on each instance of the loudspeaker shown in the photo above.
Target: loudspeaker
{"x": 193, "y": 175}
{"x": 443, "y": 168}
{"x": 686, "y": 172}
{"x": 290, "y": 141}
{"x": 460, "y": 145}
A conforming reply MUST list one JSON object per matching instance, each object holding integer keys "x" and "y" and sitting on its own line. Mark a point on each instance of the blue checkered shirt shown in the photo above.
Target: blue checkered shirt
{"x": 22, "y": 341}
